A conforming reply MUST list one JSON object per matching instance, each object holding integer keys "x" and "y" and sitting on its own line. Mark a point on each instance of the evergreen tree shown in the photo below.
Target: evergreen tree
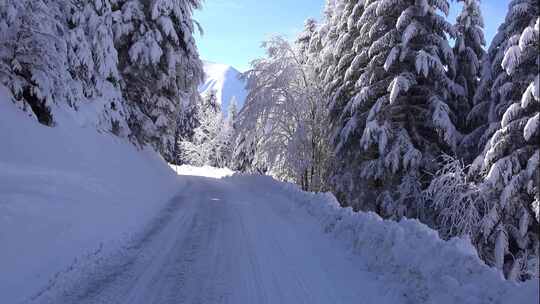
{"x": 339, "y": 59}
{"x": 232, "y": 114}
{"x": 93, "y": 61}
{"x": 33, "y": 61}
{"x": 205, "y": 146}
{"x": 224, "y": 140}
{"x": 243, "y": 154}
{"x": 510, "y": 162}
{"x": 189, "y": 118}
{"x": 159, "y": 63}
{"x": 469, "y": 51}
{"x": 491, "y": 99}
{"x": 129, "y": 65}
{"x": 303, "y": 40}
{"x": 402, "y": 108}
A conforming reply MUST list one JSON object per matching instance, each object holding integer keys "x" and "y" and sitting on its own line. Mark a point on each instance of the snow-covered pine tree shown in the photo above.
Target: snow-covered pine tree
{"x": 303, "y": 39}
{"x": 490, "y": 100}
{"x": 243, "y": 154}
{"x": 159, "y": 63}
{"x": 469, "y": 52}
{"x": 511, "y": 160}
{"x": 403, "y": 106}
{"x": 453, "y": 200}
{"x": 133, "y": 62}
{"x": 245, "y": 138}
{"x": 225, "y": 137}
{"x": 59, "y": 55}
{"x": 11, "y": 40}
{"x": 340, "y": 58}
{"x": 33, "y": 57}
{"x": 338, "y": 61}
{"x": 232, "y": 112}
{"x": 188, "y": 121}
{"x": 93, "y": 61}
{"x": 189, "y": 118}
{"x": 204, "y": 147}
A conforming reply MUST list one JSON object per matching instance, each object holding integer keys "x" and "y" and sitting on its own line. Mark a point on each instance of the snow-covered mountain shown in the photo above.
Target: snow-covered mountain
{"x": 226, "y": 81}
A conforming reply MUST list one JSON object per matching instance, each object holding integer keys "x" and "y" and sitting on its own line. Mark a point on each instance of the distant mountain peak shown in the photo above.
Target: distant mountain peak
{"x": 226, "y": 81}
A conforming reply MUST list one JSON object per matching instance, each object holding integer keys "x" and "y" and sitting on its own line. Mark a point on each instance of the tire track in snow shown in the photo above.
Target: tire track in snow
{"x": 253, "y": 262}
{"x": 190, "y": 272}
{"x": 221, "y": 243}
{"x": 91, "y": 276}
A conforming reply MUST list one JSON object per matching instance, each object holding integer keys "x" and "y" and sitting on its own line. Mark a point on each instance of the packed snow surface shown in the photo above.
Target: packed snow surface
{"x": 249, "y": 239}
{"x": 205, "y": 171}
{"x": 226, "y": 81}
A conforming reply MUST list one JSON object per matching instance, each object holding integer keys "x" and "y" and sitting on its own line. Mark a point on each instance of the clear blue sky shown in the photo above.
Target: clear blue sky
{"x": 234, "y": 29}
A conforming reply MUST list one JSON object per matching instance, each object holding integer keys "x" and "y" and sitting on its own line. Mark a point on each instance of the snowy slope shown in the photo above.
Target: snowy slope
{"x": 250, "y": 239}
{"x": 225, "y": 80}
{"x": 65, "y": 192}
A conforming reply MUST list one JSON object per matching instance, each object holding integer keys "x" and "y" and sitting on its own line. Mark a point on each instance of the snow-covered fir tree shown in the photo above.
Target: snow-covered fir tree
{"x": 402, "y": 116}
{"x": 303, "y": 40}
{"x": 205, "y": 147}
{"x": 469, "y": 52}
{"x": 339, "y": 46}
{"x": 33, "y": 57}
{"x": 129, "y": 65}
{"x": 232, "y": 112}
{"x": 93, "y": 61}
{"x": 490, "y": 100}
{"x": 334, "y": 55}
{"x": 510, "y": 162}
{"x": 243, "y": 154}
{"x": 189, "y": 119}
{"x": 453, "y": 202}
{"x": 225, "y": 138}
{"x": 159, "y": 63}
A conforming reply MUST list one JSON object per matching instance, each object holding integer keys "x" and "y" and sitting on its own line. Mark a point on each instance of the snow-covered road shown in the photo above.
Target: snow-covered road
{"x": 219, "y": 242}
{"x": 90, "y": 219}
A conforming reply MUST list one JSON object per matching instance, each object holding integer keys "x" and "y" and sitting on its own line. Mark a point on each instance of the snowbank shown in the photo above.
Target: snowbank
{"x": 432, "y": 270}
{"x": 66, "y": 191}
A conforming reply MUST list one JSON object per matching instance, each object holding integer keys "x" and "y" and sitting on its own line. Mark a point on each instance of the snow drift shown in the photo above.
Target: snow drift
{"x": 65, "y": 191}
{"x": 407, "y": 252}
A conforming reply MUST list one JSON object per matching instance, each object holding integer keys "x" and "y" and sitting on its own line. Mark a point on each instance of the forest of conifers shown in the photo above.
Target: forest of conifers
{"x": 388, "y": 104}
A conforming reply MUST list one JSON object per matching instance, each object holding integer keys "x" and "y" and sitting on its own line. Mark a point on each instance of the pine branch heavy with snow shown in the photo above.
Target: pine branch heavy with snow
{"x": 509, "y": 165}
{"x": 129, "y": 67}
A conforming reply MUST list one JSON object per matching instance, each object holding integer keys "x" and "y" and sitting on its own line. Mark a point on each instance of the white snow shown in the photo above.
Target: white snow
{"x": 225, "y": 80}
{"x": 250, "y": 239}
{"x": 406, "y": 256}
{"x": 87, "y": 218}
{"x": 532, "y": 127}
{"x": 204, "y": 171}
{"x": 63, "y": 192}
